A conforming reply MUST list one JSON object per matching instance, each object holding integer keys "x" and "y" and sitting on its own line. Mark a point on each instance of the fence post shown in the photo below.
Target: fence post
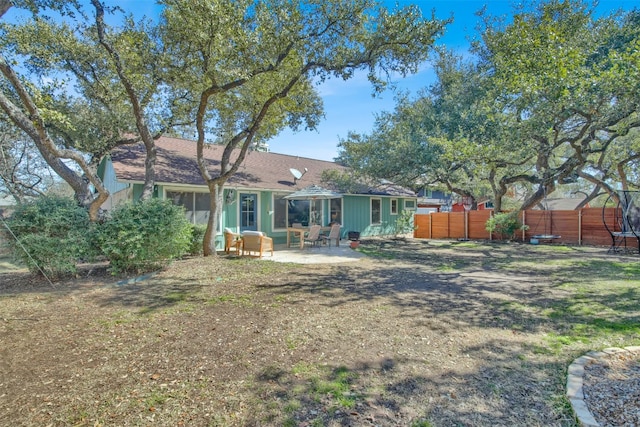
{"x": 490, "y": 233}
{"x": 524, "y": 223}
{"x": 580, "y": 227}
{"x": 466, "y": 224}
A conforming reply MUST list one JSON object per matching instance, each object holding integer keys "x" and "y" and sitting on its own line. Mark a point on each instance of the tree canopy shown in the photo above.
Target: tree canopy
{"x": 253, "y": 66}
{"x": 241, "y": 71}
{"x": 88, "y": 88}
{"x": 549, "y": 97}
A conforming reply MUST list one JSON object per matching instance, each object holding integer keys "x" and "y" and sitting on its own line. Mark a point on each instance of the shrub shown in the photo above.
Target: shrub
{"x": 144, "y": 236}
{"x": 197, "y": 237}
{"x": 404, "y": 223}
{"x": 505, "y": 224}
{"x": 52, "y": 233}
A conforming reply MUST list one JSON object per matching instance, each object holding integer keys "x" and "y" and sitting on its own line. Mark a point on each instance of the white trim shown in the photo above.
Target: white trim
{"x": 391, "y": 212}
{"x": 256, "y": 193}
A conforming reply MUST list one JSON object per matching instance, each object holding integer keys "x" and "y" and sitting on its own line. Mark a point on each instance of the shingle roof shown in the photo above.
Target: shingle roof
{"x": 176, "y": 164}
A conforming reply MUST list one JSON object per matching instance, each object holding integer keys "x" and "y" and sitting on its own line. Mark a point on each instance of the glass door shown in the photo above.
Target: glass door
{"x": 248, "y": 212}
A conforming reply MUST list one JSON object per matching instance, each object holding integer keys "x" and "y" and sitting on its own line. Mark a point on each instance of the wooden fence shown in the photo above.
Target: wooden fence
{"x": 582, "y": 227}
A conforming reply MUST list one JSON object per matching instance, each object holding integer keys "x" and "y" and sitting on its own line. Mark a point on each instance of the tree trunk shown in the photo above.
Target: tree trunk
{"x": 215, "y": 210}
{"x": 497, "y": 203}
{"x": 31, "y": 122}
{"x": 137, "y": 107}
{"x": 540, "y": 194}
{"x": 5, "y": 5}
{"x": 149, "y": 168}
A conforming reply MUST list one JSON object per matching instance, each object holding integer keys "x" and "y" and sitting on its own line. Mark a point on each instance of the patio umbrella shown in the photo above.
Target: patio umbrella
{"x": 313, "y": 192}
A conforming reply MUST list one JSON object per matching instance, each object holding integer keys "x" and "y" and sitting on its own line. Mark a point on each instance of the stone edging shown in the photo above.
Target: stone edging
{"x": 133, "y": 280}
{"x": 575, "y": 375}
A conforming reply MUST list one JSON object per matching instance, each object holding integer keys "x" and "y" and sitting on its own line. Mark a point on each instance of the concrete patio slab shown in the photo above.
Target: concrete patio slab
{"x": 315, "y": 255}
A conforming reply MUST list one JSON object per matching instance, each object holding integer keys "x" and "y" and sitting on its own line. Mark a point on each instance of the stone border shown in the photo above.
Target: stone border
{"x": 137, "y": 279}
{"x": 575, "y": 375}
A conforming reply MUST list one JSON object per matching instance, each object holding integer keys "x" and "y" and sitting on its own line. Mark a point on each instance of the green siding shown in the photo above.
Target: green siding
{"x": 356, "y": 214}
{"x": 108, "y": 176}
{"x": 137, "y": 191}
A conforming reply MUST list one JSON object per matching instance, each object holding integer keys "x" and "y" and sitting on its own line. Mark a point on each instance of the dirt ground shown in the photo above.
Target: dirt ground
{"x": 413, "y": 335}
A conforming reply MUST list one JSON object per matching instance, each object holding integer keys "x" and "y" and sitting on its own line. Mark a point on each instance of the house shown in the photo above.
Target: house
{"x": 433, "y": 201}
{"x": 254, "y": 198}
{"x": 464, "y": 205}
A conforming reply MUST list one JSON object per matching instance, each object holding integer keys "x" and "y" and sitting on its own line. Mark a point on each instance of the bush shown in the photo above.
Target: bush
{"x": 404, "y": 223}
{"x": 505, "y": 224}
{"x": 144, "y": 236}
{"x": 52, "y": 235}
{"x": 197, "y": 237}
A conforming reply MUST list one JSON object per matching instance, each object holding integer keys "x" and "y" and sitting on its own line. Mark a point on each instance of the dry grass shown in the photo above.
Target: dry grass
{"x": 420, "y": 333}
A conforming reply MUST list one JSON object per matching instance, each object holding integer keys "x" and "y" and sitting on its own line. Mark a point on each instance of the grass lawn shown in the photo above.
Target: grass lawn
{"x": 420, "y": 333}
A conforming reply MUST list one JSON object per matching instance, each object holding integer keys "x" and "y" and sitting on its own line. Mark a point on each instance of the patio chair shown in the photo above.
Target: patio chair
{"x": 334, "y": 234}
{"x": 232, "y": 240}
{"x": 313, "y": 237}
{"x": 256, "y": 241}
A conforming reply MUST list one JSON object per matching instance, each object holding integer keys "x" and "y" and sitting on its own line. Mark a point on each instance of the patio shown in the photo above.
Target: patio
{"x": 316, "y": 255}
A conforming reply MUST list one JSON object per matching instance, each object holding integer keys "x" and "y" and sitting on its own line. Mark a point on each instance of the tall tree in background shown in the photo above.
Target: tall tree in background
{"x": 549, "y": 97}
{"x": 23, "y": 172}
{"x": 254, "y": 65}
{"x": 25, "y": 105}
{"x": 572, "y": 82}
{"x": 104, "y": 88}
{"x": 451, "y": 135}
{"x": 137, "y": 57}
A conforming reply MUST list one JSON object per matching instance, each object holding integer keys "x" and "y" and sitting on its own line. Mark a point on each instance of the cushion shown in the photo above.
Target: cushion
{"x": 252, "y": 233}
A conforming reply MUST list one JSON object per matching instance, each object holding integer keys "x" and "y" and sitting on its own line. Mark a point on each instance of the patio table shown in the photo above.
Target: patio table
{"x": 300, "y": 231}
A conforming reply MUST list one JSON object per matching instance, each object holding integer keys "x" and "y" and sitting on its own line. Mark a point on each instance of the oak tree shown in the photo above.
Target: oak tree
{"x": 254, "y": 66}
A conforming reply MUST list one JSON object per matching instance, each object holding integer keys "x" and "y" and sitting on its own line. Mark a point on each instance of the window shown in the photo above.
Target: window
{"x": 335, "y": 211}
{"x": 315, "y": 214}
{"x": 196, "y": 205}
{"x": 202, "y": 203}
{"x": 298, "y": 212}
{"x": 410, "y": 204}
{"x": 248, "y": 212}
{"x": 279, "y": 211}
{"x": 306, "y": 212}
{"x": 394, "y": 206}
{"x": 376, "y": 211}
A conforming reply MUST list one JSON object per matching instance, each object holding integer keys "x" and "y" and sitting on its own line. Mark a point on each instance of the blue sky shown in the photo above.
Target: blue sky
{"x": 349, "y": 105}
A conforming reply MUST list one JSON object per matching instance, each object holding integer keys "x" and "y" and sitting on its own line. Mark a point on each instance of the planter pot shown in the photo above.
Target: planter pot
{"x": 354, "y": 244}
